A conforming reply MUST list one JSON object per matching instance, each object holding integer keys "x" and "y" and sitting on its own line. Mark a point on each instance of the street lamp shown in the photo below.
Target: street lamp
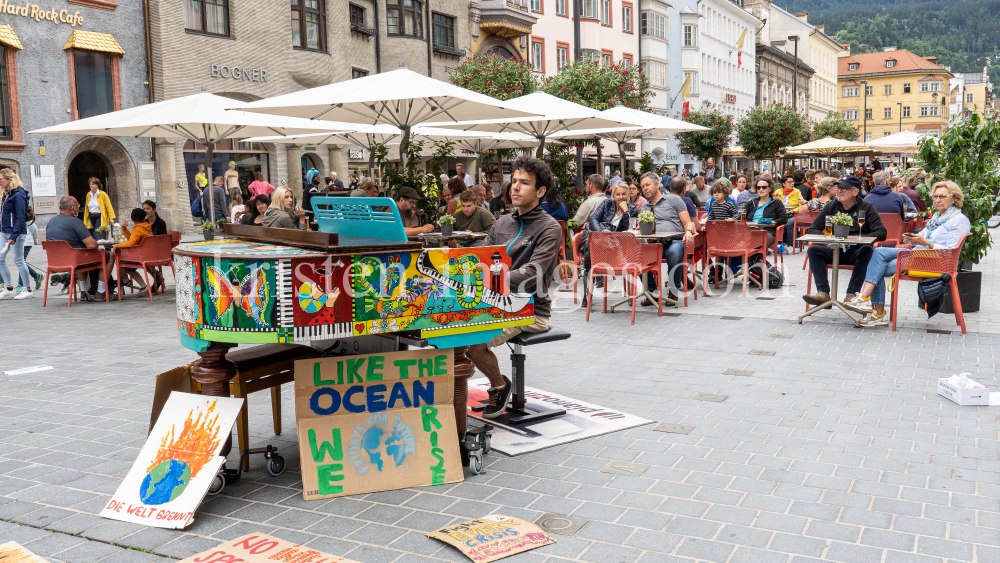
{"x": 900, "y": 104}
{"x": 864, "y": 116}
{"x": 795, "y": 77}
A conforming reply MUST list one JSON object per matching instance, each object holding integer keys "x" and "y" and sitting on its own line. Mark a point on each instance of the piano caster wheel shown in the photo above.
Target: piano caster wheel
{"x": 476, "y": 462}
{"x": 486, "y": 444}
{"x": 277, "y": 464}
{"x": 218, "y": 483}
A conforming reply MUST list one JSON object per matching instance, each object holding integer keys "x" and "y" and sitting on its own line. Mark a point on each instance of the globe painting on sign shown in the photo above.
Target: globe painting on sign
{"x": 178, "y": 462}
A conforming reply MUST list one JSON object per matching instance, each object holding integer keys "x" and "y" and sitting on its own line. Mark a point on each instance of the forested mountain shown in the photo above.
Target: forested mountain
{"x": 961, "y": 33}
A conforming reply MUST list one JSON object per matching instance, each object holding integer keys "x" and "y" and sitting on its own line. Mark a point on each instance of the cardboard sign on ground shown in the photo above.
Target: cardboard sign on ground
{"x": 13, "y": 552}
{"x": 261, "y": 548}
{"x": 177, "y": 379}
{"x": 176, "y": 465}
{"x": 376, "y": 422}
{"x": 492, "y": 537}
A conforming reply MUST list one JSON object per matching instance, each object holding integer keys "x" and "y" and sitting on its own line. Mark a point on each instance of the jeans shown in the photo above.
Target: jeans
{"x": 790, "y": 231}
{"x": 820, "y": 256}
{"x": 882, "y": 265}
{"x": 673, "y": 251}
{"x": 34, "y": 274}
{"x": 19, "y": 263}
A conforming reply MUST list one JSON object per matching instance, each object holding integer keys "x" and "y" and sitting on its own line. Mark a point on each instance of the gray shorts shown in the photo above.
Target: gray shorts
{"x": 541, "y": 324}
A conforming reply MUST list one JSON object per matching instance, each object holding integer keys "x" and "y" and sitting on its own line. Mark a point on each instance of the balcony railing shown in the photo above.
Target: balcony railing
{"x": 361, "y": 28}
{"x": 448, "y": 50}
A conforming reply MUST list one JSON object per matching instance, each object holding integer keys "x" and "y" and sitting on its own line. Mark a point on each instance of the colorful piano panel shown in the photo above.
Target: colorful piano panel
{"x": 254, "y": 292}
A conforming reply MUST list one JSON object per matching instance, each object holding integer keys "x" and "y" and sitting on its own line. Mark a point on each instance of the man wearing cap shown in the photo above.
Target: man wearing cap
{"x": 407, "y": 204}
{"x": 858, "y": 255}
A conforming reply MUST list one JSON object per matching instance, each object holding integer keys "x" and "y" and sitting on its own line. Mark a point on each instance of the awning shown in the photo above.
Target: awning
{"x": 93, "y": 41}
{"x": 9, "y": 38}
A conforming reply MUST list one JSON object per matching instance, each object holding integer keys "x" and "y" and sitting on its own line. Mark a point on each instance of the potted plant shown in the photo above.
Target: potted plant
{"x": 447, "y": 224}
{"x": 842, "y": 223}
{"x": 646, "y": 222}
{"x": 966, "y": 155}
{"x": 208, "y": 229}
{"x": 102, "y": 232}
{"x": 220, "y": 223}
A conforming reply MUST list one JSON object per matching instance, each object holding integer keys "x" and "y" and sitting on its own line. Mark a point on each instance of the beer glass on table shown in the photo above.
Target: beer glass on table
{"x": 828, "y": 229}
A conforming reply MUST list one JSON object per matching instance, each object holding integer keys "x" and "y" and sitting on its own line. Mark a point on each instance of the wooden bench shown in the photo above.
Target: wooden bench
{"x": 267, "y": 366}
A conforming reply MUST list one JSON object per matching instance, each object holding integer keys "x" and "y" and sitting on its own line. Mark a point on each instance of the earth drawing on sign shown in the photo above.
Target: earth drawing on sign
{"x": 165, "y": 482}
{"x": 377, "y": 443}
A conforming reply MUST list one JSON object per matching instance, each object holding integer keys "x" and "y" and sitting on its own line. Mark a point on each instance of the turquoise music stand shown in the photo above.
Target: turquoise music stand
{"x": 359, "y": 220}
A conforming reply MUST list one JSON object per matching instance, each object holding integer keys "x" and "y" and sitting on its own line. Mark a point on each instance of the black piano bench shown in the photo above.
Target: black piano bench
{"x": 516, "y": 410}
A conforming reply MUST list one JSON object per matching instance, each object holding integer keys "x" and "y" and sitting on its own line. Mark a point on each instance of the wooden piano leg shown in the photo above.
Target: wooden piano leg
{"x": 213, "y": 372}
{"x": 463, "y": 371}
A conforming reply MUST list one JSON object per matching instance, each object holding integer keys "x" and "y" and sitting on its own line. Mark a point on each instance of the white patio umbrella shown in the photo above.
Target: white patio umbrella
{"x": 830, "y": 147}
{"x": 400, "y": 97}
{"x": 644, "y": 123}
{"x": 556, "y": 115}
{"x": 203, "y": 118}
{"x": 357, "y": 134}
{"x": 906, "y": 141}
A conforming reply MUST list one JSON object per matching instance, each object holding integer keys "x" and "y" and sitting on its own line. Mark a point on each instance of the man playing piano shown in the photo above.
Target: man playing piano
{"x": 532, "y": 238}
{"x": 408, "y": 212}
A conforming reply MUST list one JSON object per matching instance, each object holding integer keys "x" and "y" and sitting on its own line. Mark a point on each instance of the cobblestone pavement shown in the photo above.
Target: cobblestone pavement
{"x": 832, "y": 444}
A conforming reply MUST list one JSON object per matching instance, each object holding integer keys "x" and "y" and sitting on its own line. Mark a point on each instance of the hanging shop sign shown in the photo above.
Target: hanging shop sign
{"x": 237, "y": 72}
{"x": 729, "y": 99}
{"x": 38, "y": 13}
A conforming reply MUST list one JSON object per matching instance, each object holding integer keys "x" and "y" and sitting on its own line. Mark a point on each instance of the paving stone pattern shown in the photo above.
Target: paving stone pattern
{"x": 836, "y": 448}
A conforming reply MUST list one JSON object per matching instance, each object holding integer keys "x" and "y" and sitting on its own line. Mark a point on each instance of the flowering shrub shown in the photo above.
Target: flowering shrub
{"x": 494, "y": 76}
{"x": 601, "y": 86}
{"x": 706, "y": 144}
{"x": 767, "y": 130}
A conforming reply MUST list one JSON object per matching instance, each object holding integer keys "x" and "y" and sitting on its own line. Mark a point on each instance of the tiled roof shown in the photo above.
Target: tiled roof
{"x": 93, "y": 41}
{"x": 9, "y": 38}
{"x": 874, "y": 63}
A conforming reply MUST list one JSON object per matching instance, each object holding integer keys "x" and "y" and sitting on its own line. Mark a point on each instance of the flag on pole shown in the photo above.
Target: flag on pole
{"x": 685, "y": 93}
{"x": 739, "y": 46}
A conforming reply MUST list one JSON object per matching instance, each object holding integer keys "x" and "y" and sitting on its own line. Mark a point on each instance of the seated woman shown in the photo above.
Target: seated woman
{"x": 944, "y": 230}
{"x": 611, "y": 215}
{"x": 283, "y": 213}
{"x": 635, "y": 195}
{"x": 766, "y": 208}
{"x": 258, "y": 206}
{"x": 140, "y": 230}
{"x": 826, "y": 189}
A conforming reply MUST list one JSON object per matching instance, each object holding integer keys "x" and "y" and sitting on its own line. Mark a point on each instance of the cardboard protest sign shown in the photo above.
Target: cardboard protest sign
{"x": 261, "y": 548}
{"x": 492, "y": 537}
{"x": 176, "y": 465}
{"x": 376, "y": 422}
{"x": 13, "y": 552}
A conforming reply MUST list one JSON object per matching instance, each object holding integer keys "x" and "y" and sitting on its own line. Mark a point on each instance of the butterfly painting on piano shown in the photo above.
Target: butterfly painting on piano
{"x": 251, "y": 294}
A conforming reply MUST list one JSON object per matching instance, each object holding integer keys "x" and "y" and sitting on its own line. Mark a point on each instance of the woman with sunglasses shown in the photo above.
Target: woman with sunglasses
{"x": 766, "y": 208}
{"x": 944, "y": 230}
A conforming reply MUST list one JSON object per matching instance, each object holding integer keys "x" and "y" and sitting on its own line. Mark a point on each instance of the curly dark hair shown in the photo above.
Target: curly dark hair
{"x": 543, "y": 175}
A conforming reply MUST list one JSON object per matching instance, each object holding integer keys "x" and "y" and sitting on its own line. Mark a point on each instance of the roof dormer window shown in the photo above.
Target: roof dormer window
{"x": 890, "y": 63}
{"x": 852, "y": 66}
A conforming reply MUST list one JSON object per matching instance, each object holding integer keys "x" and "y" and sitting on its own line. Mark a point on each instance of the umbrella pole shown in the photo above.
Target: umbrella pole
{"x": 403, "y": 145}
{"x": 209, "y": 150}
{"x": 623, "y": 160}
{"x": 541, "y": 147}
{"x": 600, "y": 156}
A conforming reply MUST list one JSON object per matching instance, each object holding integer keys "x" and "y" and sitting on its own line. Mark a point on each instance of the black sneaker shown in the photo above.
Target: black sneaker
{"x": 498, "y": 400}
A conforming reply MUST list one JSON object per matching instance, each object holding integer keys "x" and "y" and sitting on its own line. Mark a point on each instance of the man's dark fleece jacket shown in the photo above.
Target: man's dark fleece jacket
{"x": 532, "y": 242}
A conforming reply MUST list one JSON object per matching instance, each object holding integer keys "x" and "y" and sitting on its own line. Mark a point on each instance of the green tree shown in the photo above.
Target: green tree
{"x": 766, "y": 130}
{"x": 601, "y": 86}
{"x": 706, "y": 144}
{"x": 560, "y": 159}
{"x": 494, "y": 76}
{"x": 834, "y": 125}
{"x": 967, "y": 155}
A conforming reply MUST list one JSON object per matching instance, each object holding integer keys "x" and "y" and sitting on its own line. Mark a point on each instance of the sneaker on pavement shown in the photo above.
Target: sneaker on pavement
{"x": 39, "y": 279}
{"x": 817, "y": 298}
{"x": 859, "y": 304}
{"x": 7, "y": 294}
{"x": 26, "y": 294}
{"x": 498, "y": 400}
{"x": 143, "y": 293}
{"x": 872, "y": 320}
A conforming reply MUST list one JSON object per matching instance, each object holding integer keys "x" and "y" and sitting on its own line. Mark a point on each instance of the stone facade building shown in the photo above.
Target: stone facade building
{"x": 235, "y": 48}
{"x": 64, "y": 60}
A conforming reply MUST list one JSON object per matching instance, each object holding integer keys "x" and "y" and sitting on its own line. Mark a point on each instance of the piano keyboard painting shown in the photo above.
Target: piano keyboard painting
{"x": 323, "y": 332}
{"x": 510, "y": 303}
{"x": 319, "y": 301}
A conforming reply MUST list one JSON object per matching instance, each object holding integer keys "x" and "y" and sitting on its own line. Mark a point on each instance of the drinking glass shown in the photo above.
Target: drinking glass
{"x": 633, "y": 223}
{"x": 828, "y": 230}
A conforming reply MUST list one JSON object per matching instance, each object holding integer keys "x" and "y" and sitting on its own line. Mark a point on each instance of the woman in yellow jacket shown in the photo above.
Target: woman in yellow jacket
{"x": 794, "y": 203}
{"x": 140, "y": 230}
{"x": 97, "y": 211}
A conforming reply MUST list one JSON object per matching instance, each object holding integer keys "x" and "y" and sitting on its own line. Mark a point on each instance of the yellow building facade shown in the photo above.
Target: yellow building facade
{"x": 892, "y": 91}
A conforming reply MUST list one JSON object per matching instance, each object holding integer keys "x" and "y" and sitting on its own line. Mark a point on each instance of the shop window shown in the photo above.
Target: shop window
{"x": 207, "y": 16}
{"x": 95, "y": 84}
{"x": 6, "y": 127}
{"x": 405, "y": 17}
{"x": 309, "y": 24}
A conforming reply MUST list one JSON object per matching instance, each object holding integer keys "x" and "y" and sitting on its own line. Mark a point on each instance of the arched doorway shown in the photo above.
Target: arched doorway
{"x": 310, "y": 161}
{"x": 86, "y": 165}
{"x": 501, "y": 46}
{"x": 104, "y": 158}
{"x": 503, "y": 52}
